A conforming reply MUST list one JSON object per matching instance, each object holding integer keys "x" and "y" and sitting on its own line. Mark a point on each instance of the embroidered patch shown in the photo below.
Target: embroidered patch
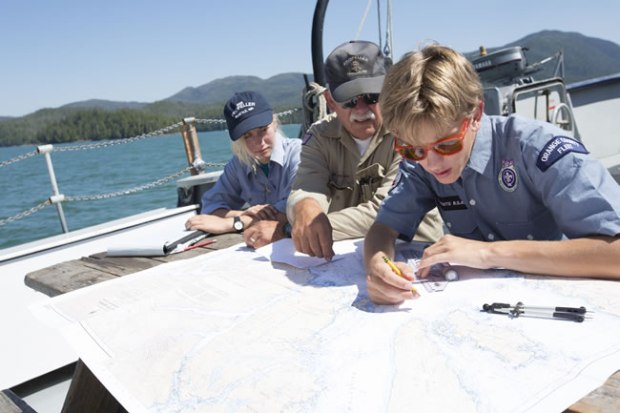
{"x": 555, "y": 149}
{"x": 450, "y": 203}
{"x": 508, "y": 176}
{"x": 306, "y": 138}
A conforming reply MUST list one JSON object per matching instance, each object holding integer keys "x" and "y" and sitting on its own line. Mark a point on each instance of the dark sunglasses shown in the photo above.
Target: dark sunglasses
{"x": 369, "y": 98}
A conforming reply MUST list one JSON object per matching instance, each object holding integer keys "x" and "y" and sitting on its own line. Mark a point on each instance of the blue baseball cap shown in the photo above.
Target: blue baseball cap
{"x": 246, "y": 111}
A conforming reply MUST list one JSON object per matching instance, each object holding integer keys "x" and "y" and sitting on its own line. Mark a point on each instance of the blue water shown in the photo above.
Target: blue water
{"x": 26, "y": 183}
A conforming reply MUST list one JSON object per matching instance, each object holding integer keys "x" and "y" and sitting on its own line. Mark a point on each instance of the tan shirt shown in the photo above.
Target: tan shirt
{"x": 348, "y": 186}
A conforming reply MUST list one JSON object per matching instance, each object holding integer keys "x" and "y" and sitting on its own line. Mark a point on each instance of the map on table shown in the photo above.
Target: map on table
{"x": 233, "y": 331}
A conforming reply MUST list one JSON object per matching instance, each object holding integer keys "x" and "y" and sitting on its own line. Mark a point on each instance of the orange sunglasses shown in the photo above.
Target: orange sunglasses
{"x": 446, "y": 146}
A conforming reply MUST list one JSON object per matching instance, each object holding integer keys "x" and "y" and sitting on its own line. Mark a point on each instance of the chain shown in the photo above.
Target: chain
{"x": 210, "y": 121}
{"x": 138, "y": 188}
{"x": 222, "y": 121}
{"x": 114, "y": 142}
{"x": 162, "y": 131}
{"x": 129, "y": 191}
{"x": 288, "y": 112}
{"x": 26, "y": 213}
{"x": 96, "y": 197}
{"x": 19, "y": 158}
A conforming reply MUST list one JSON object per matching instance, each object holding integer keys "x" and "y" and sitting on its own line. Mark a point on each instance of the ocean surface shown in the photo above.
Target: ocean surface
{"x": 26, "y": 183}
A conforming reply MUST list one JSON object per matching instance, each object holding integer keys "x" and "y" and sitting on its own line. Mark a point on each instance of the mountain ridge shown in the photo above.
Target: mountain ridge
{"x": 584, "y": 58}
{"x": 285, "y": 89}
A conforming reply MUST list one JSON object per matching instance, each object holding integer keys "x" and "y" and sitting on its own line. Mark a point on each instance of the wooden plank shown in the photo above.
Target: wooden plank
{"x": 605, "y": 399}
{"x": 64, "y": 277}
{"x": 118, "y": 266}
{"x": 225, "y": 241}
{"x": 72, "y": 275}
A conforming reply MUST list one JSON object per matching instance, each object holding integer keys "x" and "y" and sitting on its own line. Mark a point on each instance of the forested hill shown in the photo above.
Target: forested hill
{"x": 100, "y": 119}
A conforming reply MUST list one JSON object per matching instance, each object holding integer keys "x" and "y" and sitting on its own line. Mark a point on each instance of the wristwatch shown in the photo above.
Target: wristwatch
{"x": 238, "y": 224}
{"x": 287, "y": 229}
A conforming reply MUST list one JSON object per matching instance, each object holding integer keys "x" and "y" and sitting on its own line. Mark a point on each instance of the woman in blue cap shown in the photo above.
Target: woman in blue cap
{"x": 260, "y": 175}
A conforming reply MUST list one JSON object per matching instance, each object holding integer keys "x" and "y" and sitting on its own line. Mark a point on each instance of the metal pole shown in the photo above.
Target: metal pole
{"x": 192, "y": 147}
{"x": 317, "y": 41}
{"x": 56, "y": 197}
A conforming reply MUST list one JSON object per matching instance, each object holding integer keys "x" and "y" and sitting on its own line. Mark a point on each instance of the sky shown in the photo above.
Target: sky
{"x": 63, "y": 51}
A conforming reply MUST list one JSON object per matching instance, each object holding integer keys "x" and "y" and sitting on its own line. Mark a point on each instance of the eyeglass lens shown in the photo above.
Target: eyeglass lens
{"x": 369, "y": 98}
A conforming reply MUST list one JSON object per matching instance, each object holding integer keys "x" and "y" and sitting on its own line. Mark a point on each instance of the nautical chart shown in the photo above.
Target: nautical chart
{"x": 232, "y": 331}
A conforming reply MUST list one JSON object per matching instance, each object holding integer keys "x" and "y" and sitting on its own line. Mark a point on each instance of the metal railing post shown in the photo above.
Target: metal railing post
{"x": 192, "y": 147}
{"x": 56, "y": 197}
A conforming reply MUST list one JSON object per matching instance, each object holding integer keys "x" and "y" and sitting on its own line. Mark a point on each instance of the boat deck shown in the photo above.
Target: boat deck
{"x": 88, "y": 394}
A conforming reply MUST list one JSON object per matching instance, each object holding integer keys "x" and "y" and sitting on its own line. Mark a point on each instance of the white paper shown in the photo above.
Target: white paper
{"x": 283, "y": 251}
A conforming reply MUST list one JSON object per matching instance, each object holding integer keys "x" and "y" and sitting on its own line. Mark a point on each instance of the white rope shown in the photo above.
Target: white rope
{"x": 363, "y": 21}
{"x": 379, "y": 20}
{"x": 388, "y": 49}
{"x": 315, "y": 105}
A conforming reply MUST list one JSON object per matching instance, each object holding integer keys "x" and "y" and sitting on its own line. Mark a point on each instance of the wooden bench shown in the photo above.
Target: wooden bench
{"x": 72, "y": 275}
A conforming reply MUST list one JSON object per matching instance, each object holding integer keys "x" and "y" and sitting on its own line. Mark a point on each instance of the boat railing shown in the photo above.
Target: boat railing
{"x": 196, "y": 165}
{"x": 509, "y": 87}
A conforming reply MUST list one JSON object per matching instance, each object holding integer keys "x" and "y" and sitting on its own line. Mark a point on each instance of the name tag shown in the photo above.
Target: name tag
{"x": 451, "y": 203}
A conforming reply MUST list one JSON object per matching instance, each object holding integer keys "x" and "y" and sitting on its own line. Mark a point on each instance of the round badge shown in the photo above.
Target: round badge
{"x": 508, "y": 176}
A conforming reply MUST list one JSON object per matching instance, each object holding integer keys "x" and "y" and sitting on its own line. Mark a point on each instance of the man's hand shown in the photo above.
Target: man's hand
{"x": 262, "y": 233}
{"x": 312, "y": 232}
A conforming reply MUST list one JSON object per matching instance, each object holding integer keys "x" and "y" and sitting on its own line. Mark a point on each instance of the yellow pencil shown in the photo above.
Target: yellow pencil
{"x": 397, "y": 271}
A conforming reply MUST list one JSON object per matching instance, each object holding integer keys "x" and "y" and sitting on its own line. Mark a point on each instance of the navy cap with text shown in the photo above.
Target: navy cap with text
{"x": 246, "y": 111}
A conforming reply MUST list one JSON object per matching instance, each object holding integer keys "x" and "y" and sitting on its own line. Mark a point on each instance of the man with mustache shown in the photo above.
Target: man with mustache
{"x": 348, "y": 163}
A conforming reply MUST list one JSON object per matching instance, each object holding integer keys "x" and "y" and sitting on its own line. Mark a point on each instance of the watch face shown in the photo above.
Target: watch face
{"x": 238, "y": 224}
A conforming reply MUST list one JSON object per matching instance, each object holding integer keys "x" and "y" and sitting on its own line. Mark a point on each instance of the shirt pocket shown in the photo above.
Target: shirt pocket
{"x": 369, "y": 179}
{"x": 460, "y": 223}
{"x": 540, "y": 227}
{"x": 341, "y": 191}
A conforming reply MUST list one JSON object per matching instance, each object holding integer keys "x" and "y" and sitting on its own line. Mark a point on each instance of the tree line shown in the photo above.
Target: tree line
{"x": 52, "y": 126}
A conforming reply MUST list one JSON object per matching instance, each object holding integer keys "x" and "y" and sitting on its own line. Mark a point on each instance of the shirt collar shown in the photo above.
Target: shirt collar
{"x": 277, "y": 150}
{"x": 481, "y": 150}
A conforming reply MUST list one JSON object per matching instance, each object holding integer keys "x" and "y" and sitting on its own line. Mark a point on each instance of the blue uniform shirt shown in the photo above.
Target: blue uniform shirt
{"x": 524, "y": 180}
{"x": 239, "y": 183}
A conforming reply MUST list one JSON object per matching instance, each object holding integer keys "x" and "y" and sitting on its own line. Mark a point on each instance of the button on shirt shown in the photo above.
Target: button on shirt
{"x": 520, "y": 182}
{"x": 239, "y": 183}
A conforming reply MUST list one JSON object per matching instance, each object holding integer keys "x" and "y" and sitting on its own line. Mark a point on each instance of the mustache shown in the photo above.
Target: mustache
{"x": 360, "y": 117}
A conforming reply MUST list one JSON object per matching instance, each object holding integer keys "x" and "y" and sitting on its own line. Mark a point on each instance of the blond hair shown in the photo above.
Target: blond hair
{"x": 241, "y": 151}
{"x": 436, "y": 85}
